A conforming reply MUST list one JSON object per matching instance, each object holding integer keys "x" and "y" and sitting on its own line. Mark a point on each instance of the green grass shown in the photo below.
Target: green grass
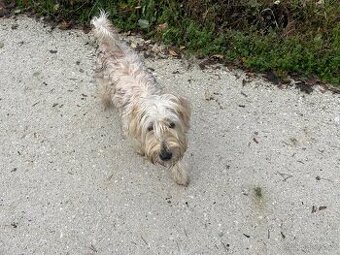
{"x": 300, "y": 37}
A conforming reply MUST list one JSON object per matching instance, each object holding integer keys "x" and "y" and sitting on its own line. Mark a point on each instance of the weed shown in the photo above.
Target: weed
{"x": 258, "y": 192}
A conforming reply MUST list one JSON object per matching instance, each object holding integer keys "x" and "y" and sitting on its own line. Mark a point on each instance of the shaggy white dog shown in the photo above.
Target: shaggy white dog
{"x": 156, "y": 123}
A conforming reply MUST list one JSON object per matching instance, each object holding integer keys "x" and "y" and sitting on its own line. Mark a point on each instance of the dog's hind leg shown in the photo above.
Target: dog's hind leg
{"x": 105, "y": 90}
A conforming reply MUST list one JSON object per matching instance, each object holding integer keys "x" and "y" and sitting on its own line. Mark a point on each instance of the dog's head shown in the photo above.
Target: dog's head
{"x": 159, "y": 123}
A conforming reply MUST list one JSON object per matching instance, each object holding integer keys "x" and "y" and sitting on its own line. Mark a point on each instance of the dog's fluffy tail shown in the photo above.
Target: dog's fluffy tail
{"x": 104, "y": 31}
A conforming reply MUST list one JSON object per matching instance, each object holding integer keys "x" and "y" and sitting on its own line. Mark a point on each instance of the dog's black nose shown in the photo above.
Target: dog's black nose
{"x": 165, "y": 155}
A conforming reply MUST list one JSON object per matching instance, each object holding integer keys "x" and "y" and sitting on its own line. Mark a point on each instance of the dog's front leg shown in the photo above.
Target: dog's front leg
{"x": 179, "y": 174}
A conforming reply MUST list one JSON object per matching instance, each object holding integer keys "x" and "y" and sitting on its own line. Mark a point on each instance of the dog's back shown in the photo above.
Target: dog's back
{"x": 119, "y": 69}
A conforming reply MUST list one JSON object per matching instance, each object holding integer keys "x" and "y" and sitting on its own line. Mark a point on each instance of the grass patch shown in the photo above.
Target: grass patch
{"x": 289, "y": 37}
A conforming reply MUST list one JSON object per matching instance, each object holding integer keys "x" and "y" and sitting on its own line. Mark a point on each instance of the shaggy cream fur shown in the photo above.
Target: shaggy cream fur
{"x": 156, "y": 123}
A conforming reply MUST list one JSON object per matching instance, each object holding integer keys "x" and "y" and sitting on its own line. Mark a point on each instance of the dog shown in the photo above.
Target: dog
{"x": 157, "y": 123}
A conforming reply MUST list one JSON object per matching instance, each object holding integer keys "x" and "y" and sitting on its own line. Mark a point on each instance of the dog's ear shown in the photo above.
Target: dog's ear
{"x": 184, "y": 111}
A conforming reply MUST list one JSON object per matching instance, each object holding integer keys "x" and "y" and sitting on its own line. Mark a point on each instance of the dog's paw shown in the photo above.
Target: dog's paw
{"x": 179, "y": 174}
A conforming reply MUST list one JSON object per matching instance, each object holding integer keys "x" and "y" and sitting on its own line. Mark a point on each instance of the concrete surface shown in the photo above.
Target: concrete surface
{"x": 264, "y": 162}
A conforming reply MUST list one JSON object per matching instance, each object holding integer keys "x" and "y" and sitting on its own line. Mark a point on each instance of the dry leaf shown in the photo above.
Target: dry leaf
{"x": 173, "y": 53}
{"x": 162, "y": 27}
{"x": 64, "y": 25}
{"x": 218, "y": 56}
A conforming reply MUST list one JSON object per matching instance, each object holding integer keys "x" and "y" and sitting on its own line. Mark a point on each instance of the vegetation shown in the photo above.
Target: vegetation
{"x": 287, "y": 37}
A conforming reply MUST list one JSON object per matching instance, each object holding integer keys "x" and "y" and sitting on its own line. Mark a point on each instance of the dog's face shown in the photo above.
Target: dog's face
{"x": 159, "y": 124}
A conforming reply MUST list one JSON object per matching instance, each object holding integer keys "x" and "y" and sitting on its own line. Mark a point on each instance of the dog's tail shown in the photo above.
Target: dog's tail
{"x": 104, "y": 31}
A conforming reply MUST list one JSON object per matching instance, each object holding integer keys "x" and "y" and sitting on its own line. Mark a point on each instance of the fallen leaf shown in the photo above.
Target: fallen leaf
{"x": 64, "y": 25}
{"x": 162, "y": 27}
{"x": 56, "y": 7}
{"x": 173, "y": 53}
{"x": 143, "y": 23}
{"x": 218, "y": 56}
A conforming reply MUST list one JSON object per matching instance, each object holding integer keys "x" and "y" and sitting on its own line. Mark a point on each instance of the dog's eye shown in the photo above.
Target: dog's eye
{"x": 150, "y": 128}
{"x": 172, "y": 125}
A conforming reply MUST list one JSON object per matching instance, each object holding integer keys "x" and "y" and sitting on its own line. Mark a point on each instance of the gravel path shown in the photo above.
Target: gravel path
{"x": 264, "y": 162}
